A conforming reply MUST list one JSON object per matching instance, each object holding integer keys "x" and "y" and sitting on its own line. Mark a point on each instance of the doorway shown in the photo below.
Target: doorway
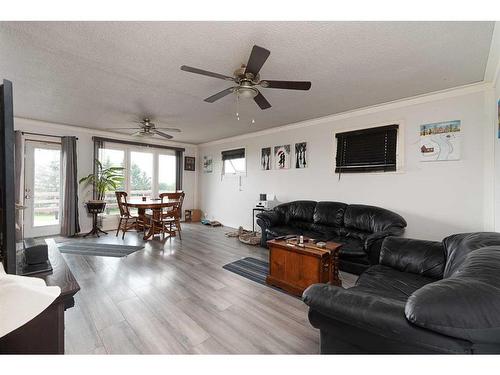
{"x": 42, "y": 188}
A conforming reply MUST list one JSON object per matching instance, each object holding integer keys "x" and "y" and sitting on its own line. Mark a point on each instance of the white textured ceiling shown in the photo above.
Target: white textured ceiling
{"x": 106, "y": 74}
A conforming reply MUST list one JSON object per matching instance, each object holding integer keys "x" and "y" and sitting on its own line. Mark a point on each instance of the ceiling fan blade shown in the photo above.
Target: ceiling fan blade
{"x": 261, "y": 101}
{"x": 173, "y": 130}
{"x": 206, "y": 73}
{"x": 288, "y": 85}
{"x": 134, "y": 128}
{"x": 161, "y": 134}
{"x": 219, "y": 95}
{"x": 258, "y": 57}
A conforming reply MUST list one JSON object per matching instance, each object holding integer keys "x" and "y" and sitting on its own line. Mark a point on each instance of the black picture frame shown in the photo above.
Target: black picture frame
{"x": 189, "y": 163}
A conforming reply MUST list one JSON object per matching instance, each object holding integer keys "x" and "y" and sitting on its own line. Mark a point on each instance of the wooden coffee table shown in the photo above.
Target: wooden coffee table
{"x": 294, "y": 267}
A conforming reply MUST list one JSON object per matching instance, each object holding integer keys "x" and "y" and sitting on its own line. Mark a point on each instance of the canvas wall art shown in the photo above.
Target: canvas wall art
{"x": 282, "y": 157}
{"x": 265, "y": 158}
{"x": 440, "y": 141}
{"x": 208, "y": 164}
{"x": 301, "y": 155}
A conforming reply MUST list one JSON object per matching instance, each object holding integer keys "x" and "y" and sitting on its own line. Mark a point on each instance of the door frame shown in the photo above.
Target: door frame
{"x": 29, "y": 179}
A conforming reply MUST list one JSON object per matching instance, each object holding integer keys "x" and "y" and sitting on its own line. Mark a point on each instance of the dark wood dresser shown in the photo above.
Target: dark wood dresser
{"x": 45, "y": 333}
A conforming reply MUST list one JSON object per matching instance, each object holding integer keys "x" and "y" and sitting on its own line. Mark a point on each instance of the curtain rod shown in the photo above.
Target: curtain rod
{"x": 44, "y": 135}
{"x": 138, "y": 144}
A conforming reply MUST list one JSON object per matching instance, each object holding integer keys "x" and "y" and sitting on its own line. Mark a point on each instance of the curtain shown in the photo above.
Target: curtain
{"x": 98, "y": 144}
{"x": 70, "y": 224}
{"x": 179, "y": 169}
{"x": 19, "y": 181}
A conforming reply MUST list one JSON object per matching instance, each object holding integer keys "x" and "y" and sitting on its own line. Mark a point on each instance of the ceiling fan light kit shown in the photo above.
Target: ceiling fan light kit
{"x": 247, "y": 78}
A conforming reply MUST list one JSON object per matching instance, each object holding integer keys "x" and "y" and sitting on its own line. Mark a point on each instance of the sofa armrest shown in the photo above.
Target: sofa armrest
{"x": 465, "y": 305}
{"x": 372, "y": 238}
{"x": 376, "y": 314}
{"x": 269, "y": 218}
{"x": 426, "y": 258}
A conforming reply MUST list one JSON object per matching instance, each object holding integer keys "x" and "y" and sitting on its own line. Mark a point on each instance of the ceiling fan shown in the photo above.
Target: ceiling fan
{"x": 247, "y": 79}
{"x": 146, "y": 128}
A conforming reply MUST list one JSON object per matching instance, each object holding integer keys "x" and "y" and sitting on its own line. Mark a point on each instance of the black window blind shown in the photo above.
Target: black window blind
{"x": 367, "y": 150}
{"x": 238, "y": 153}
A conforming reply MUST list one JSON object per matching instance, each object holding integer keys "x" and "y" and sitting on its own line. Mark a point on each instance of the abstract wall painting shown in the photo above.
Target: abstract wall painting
{"x": 301, "y": 155}
{"x": 440, "y": 141}
{"x": 265, "y": 159}
{"x": 208, "y": 164}
{"x": 282, "y": 157}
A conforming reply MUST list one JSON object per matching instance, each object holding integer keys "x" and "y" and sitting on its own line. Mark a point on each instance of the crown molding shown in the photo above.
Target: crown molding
{"x": 419, "y": 99}
{"x": 71, "y": 129}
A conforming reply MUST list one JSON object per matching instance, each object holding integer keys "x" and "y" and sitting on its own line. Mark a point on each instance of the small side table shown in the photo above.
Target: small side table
{"x": 256, "y": 209}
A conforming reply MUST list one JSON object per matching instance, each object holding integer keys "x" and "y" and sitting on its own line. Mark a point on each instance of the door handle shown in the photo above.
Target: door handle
{"x": 27, "y": 194}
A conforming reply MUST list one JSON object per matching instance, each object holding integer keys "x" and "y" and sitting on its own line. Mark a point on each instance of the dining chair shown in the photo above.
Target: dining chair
{"x": 127, "y": 221}
{"x": 172, "y": 217}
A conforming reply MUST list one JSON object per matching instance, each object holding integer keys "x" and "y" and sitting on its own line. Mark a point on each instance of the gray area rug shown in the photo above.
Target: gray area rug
{"x": 97, "y": 249}
{"x": 253, "y": 269}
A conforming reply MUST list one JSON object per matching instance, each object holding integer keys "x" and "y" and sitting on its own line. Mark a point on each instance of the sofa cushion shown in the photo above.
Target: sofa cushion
{"x": 282, "y": 230}
{"x": 390, "y": 283}
{"x": 328, "y": 231}
{"x": 300, "y": 225}
{"x": 351, "y": 247}
{"x": 329, "y": 213}
{"x": 371, "y": 219}
{"x": 458, "y": 247}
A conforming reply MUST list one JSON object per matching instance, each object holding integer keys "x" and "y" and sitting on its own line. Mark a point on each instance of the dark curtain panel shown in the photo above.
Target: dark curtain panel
{"x": 179, "y": 169}
{"x": 70, "y": 224}
{"x": 98, "y": 144}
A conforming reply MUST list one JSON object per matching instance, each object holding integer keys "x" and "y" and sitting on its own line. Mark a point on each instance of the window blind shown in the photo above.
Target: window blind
{"x": 367, "y": 150}
{"x": 238, "y": 153}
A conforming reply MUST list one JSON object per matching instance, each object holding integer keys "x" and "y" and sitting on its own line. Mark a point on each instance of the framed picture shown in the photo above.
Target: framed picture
{"x": 301, "y": 155}
{"x": 189, "y": 163}
{"x": 208, "y": 164}
{"x": 440, "y": 141}
{"x": 282, "y": 157}
{"x": 265, "y": 158}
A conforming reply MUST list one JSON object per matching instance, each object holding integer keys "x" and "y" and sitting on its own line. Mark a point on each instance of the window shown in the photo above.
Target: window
{"x": 148, "y": 171}
{"x": 233, "y": 162}
{"x": 367, "y": 150}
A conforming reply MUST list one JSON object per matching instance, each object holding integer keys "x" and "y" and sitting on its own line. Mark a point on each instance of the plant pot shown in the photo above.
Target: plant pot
{"x": 95, "y": 206}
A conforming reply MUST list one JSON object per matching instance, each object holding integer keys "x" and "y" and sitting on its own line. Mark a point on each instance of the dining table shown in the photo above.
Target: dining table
{"x": 156, "y": 206}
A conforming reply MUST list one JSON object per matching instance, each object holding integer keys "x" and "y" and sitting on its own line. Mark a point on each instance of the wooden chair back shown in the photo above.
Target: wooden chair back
{"x": 176, "y": 210}
{"x": 121, "y": 198}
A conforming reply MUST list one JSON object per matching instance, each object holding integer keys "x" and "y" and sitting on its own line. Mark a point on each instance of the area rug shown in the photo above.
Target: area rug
{"x": 97, "y": 249}
{"x": 253, "y": 269}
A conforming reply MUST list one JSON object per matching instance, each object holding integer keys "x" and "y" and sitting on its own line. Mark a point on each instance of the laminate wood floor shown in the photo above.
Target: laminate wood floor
{"x": 174, "y": 297}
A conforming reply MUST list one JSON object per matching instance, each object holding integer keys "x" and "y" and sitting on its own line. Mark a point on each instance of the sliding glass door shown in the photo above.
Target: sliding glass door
{"x": 141, "y": 174}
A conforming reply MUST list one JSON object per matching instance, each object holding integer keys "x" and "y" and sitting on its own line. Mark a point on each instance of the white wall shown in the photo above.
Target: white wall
{"x": 85, "y": 158}
{"x": 436, "y": 198}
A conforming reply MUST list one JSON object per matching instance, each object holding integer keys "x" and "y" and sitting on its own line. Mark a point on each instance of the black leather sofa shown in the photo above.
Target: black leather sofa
{"x": 360, "y": 228}
{"x": 423, "y": 297}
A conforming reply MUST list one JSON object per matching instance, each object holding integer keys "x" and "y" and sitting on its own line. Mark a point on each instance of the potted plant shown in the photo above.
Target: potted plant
{"x": 104, "y": 180}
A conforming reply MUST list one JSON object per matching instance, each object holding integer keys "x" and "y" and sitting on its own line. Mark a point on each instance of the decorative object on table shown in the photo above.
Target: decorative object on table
{"x": 282, "y": 157}
{"x": 103, "y": 181}
{"x": 440, "y": 141}
{"x": 189, "y": 163}
{"x": 208, "y": 164}
{"x": 36, "y": 257}
{"x": 301, "y": 155}
{"x": 97, "y": 249}
{"x": 265, "y": 158}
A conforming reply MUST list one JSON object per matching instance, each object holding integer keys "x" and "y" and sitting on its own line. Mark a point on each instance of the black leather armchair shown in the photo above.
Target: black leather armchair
{"x": 360, "y": 228}
{"x": 423, "y": 297}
